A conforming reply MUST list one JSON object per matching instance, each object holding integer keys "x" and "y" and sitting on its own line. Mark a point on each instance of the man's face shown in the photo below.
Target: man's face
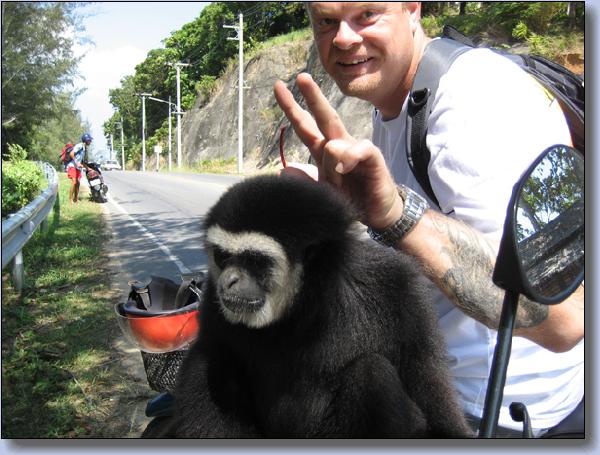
{"x": 366, "y": 47}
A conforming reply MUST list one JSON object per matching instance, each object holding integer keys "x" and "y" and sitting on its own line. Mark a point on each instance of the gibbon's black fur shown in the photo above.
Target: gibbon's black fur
{"x": 354, "y": 352}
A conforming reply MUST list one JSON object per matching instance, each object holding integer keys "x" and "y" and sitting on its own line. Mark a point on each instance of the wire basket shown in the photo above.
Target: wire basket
{"x": 162, "y": 369}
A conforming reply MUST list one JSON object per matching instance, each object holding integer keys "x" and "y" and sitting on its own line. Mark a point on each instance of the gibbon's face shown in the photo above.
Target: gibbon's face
{"x": 253, "y": 277}
{"x": 264, "y": 237}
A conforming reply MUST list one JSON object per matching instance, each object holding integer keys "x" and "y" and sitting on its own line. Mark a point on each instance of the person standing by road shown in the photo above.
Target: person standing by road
{"x": 76, "y": 164}
{"x": 489, "y": 122}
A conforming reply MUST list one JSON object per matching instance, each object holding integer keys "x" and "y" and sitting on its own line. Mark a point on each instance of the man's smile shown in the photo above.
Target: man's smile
{"x": 355, "y": 61}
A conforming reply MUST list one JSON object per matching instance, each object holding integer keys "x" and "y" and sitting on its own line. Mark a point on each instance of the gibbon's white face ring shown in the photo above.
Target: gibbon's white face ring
{"x": 285, "y": 277}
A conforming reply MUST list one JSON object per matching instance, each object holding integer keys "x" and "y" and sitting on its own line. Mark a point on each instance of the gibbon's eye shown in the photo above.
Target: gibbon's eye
{"x": 258, "y": 263}
{"x": 221, "y": 256}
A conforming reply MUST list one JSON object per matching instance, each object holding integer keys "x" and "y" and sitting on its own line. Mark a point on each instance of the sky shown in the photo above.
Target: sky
{"x": 122, "y": 33}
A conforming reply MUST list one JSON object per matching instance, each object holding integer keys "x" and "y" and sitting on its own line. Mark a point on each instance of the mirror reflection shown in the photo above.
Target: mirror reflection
{"x": 550, "y": 222}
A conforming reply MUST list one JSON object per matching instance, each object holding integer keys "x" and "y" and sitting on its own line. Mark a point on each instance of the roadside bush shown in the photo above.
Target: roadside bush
{"x": 22, "y": 181}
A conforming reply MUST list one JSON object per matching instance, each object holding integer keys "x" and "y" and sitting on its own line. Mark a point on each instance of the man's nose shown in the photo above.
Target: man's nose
{"x": 346, "y": 37}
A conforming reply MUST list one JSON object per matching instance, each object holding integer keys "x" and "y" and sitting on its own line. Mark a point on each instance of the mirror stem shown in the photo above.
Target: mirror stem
{"x": 493, "y": 398}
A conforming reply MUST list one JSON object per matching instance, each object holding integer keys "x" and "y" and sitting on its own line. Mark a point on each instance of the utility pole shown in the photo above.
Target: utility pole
{"x": 179, "y": 113}
{"x": 240, "y": 38}
{"x": 170, "y": 133}
{"x": 143, "y": 95}
{"x": 122, "y": 147}
{"x": 112, "y": 147}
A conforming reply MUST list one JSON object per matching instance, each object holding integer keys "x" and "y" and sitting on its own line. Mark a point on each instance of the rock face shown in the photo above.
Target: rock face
{"x": 210, "y": 131}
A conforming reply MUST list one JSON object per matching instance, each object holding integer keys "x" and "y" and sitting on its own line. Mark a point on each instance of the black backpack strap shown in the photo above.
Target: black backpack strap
{"x": 456, "y": 35}
{"x": 437, "y": 59}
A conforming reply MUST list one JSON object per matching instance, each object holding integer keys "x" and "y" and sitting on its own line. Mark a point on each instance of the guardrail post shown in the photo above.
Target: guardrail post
{"x": 17, "y": 272}
{"x": 56, "y": 219}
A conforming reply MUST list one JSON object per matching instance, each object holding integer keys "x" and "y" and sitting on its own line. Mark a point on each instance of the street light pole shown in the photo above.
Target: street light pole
{"x": 170, "y": 104}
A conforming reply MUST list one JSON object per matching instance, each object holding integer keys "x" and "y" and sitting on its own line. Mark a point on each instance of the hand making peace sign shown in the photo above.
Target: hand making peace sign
{"x": 355, "y": 167}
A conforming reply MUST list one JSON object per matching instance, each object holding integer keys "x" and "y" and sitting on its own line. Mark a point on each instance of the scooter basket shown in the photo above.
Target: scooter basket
{"x": 162, "y": 368}
{"x": 161, "y": 317}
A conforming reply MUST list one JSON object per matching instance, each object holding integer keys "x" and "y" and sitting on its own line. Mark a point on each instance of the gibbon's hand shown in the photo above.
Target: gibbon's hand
{"x": 355, "y": 167}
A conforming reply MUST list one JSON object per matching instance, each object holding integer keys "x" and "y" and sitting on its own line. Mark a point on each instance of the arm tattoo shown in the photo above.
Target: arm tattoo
{"x": 468, "y": 280}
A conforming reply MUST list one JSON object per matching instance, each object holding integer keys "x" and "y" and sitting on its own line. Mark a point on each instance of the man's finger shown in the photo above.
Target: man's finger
{"x": 326, "y": 117}
{"x": 303, "y": 123}
{"x": 302, "y": 170}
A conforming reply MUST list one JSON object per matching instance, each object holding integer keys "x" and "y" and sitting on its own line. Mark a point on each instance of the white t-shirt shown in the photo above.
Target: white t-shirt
{"x": 79, "y": 150}
{"x": 489, "y": 122}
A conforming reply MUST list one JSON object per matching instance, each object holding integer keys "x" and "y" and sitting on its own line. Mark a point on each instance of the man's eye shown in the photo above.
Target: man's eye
{"x": 369, "y": 15}
{"x": 326, "y": 23}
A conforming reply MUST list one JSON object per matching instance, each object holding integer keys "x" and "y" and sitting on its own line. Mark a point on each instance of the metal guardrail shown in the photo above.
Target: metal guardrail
{"x": 18, "y": 228}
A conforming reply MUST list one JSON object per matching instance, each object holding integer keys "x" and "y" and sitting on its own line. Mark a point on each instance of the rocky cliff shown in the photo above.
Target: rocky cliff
{"x": 210, "y": 130}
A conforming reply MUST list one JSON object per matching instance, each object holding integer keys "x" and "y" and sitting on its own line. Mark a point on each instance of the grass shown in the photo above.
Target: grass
{"x": 212, "y": 166}
{"x": 58, "y": 378}
{"x": 293, "y": 36}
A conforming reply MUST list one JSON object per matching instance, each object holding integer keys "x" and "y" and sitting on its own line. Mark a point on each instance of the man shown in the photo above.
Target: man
{"x": 489, "y": 122}
{"x": 75, "y": 165}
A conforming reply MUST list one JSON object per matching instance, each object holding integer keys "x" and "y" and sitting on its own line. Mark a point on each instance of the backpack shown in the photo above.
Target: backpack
{"x": 567, "y": 87}
{"x": 65, "y": 153}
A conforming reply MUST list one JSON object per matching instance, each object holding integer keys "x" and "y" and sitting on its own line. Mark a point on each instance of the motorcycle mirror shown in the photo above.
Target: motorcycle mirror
{"x": 541, "y": 253}
{"x": 542, "y": 250}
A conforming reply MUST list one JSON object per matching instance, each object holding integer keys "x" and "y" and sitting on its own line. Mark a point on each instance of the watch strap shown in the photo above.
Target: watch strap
{"x": 414, "y": 207}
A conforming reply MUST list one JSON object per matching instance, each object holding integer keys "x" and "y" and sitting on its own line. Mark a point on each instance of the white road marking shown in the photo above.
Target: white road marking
{"x": 165, "y": 249}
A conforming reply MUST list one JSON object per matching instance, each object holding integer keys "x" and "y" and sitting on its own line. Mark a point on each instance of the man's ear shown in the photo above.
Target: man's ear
{"x": 413, "y": 9}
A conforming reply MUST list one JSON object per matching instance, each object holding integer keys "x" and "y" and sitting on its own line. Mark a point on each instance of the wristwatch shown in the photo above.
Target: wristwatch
{"x": 414, "y": 207}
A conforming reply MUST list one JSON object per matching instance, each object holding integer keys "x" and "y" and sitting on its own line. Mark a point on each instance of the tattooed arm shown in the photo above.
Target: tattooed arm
{"x": 461, "y": 261}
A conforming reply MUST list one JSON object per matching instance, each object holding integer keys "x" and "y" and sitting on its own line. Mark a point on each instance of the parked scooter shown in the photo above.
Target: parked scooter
{"x": 541, "y": 256}
{"x": 98, "y": 188}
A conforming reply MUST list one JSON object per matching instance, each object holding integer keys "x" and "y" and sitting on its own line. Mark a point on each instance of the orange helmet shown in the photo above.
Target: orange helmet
{"x": 161, "y": 316}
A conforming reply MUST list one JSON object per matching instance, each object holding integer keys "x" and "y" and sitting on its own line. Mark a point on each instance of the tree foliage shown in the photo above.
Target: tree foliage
{"x": 555, "y": 186}
{"x": 38, "y": 65}
{"x": 507, "y": 20}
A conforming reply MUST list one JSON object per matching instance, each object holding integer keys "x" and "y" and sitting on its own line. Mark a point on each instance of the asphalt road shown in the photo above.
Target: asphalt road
{"x": 156, "y": 220}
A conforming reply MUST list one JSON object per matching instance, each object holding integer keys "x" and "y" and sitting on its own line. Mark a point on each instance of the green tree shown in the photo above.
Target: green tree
{"x": 47, "y": 138}
{"x": 37, "y": 65}
{"x": 128, "y": 108}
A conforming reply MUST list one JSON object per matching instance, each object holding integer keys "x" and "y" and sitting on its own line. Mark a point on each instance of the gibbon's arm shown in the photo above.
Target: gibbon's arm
{"x": 210, "y": 401}
{"x": 461, "y": 261}
{"x": 372, "y": 402}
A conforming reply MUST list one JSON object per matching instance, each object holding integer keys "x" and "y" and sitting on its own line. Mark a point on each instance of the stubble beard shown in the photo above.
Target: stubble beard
{"x": 363, "y": 87}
